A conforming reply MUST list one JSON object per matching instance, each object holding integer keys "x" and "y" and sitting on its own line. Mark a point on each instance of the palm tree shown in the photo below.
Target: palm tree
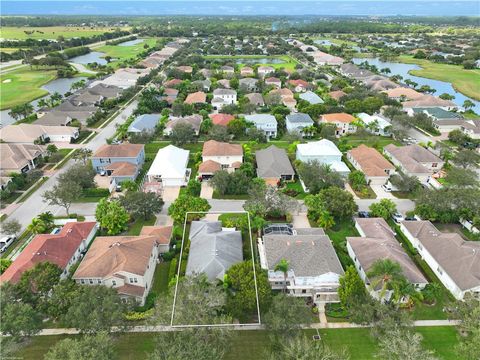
{"x": 283, "y": 266}
{"x": 385, "y": 273}
{"x": 83, "y": 155}
{"x": 468, "y": 104}
{"x": 326, "y": 221}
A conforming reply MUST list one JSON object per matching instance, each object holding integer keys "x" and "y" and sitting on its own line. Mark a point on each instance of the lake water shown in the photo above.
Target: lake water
{"x": 131, "y": 42}
{"x": 91, "y": 57}
{"x": 323, "y": 42}
{"x": 402, "y": 69}
{"x": 61, "y": 86}
{"x": 266, "y": 60}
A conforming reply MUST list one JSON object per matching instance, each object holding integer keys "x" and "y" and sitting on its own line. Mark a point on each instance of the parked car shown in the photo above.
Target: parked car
{"x": 387, "y": 187}
{"x": 410, "y": 218}
{"x": 398, "y": 218}
{"x": 118, "y": 188}
{"x": 363, "y": 214}
{"x": 5, "y": 242}
{"x": 103, "y": 173}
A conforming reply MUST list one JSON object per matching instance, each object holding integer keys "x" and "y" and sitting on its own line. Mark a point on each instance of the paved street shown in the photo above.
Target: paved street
{"x": 34, "y": 205}
{"x": 403, "y": 205}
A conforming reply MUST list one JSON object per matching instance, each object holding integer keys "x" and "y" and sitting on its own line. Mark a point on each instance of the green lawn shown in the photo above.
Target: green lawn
{"x": 297, "y": 186}
{"x": 120, "y": 53}
{"x": 160, "y": 278}
{"x": 465, "y": 81}
{"x": 216, "y": 195}
{"x": 378, "y": 142}
{"x": 289, "y": 63}
{"x": 23, "y": 85}
{"x": 338, "y": 235}
{"x": 92, "y": 195}
{"x": 135, "y": 227}
{"x": 52, "y": 32}
{"x": 253, "y": 345}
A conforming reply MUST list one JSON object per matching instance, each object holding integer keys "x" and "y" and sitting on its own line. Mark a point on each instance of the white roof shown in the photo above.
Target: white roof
{"x": 169, "y": 163}
{"x": 321, "y": 147}
{"x": 367, "y": 119}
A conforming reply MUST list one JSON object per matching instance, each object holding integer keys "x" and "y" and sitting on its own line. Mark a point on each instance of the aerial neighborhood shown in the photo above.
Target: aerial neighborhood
{"x": 293, "y": 183}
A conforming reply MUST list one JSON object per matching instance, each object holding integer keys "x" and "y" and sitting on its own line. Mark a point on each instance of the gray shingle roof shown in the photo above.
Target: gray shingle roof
{"x": 307, "y": 255}
{"x": 212, "y": 250}
{"x": 273, "y": 162}
{"x": 299, "y": 118}
{"x": 144, "y": 122}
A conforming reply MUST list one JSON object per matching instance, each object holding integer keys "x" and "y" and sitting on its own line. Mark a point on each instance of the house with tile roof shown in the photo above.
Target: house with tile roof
{"x": 314, "y": 268}
{"x": 276, "y": 82}
{"x": 274, "y": 165}
{"x": 213, "y": 249}
{"x": 248, "y": 84}
{"x": 299, "y": 85}
{"x": 344, "y": 123}
{"x": 471, "y": 128}
{"x": 198, "y": 97}
{"x": 368, "y": 160}
{"x": 263, "y": 71}
{"x": 455, "y": 261}
{"x": 218, "y": 155}
{"x": 64, "y": 249}
{"x": 403, "y": 94}
{"x": 247, "y": 71}
{"x": 29, "y": 133}
{"x": 221, "y": 119}
{"x": 376, "y": 124}
{"x": 195, "y": 121}
{"x": 223, "y": 97}
{"x": 337, "y": 95}
{"x": 20, "y": 158}
{"x": 125, "y": 263}
{"x": 120, "y": 154}
{"x": 255, "y": 99}
{"x": 377, "y": 242}
{"x": 443, "y": 120}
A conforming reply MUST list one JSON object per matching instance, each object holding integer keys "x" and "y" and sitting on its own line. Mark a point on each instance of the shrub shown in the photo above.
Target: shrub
{"x": 136, "y": 316}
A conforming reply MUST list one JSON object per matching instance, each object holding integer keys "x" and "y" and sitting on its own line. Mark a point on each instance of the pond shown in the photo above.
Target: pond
{"x": 402, "y": 69}
{"x": 91, "y": 57}
{"x": 61, "y": 86}
{"x": 131, "y": 42}
{"x": 253, "y": 61}
{"x": 323, "y": 42}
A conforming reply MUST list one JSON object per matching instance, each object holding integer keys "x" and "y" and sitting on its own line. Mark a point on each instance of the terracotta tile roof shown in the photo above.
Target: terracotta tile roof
{"x": 236, "y": 165}
{"x": 122, "y": 168}
{"x": 337, "y": 117}
{"x": 299, "y": 82}
{"x": 221, "y": 119}
{"x": 371, "y": 161}
{"x": 173, "y": 82}
{"x": 170, "y": 92}
{"x": 132, "y": 290}
{"x": 162, "y": 233}
{"x": 217, "y": 148}
{"x": 55, "y": 248}
{"x": 196, "y": 97}
{"x": 272, "y": 80}
{"x": 15, "y": 156}
{"x": 120, "y": 150}
{"x": 209, "y": 167}
{"x": 337, "y": 94}
{"x": 185, "y": 69}
{"x": 403, "y": 91}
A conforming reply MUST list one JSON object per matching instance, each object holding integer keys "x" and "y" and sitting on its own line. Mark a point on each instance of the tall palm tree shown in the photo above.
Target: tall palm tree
{"x": 387, "y": 274}
{"x": 283, "y": 266}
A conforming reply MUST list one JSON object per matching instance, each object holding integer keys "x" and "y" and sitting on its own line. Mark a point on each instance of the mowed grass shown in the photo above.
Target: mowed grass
{"x": 465, "y": 81}
{"x": 253, "y": 345}
{"x": 288, "y": 64}
{"x": 51, "y": 32}
{"x": 23, "y": 85}
{"x": 125, "y": 52}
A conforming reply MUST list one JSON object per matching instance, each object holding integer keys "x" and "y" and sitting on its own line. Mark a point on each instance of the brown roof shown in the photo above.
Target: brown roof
{"x": 412, "y": 157}
{"x": 217, "y": 148}
{"x": 427, "y": 100}
{"x": 185, "y": 69}
{"x": 272, "y": 79}
{"x": 15, "y": 156}
{"x": 122, "y": 168}
{"x": 196, "y": 97}
{"x": 162, "y": 233}
{"x": 221, "y": 119}
{"x": 120, "y": 150}
{"x": 408, "y": 93}
{"x": 55, "y": 248}
{"x": 460, "y": 259}
{"x": 132, "y": 290}
{"x": 209, "y": 167}
{"x": 337, "y": 94}
{"x": 337, "y": 117}
{"x": 371, "y": 161}
{"x": 299, "y": 82}
{"x": 173, "y": 82}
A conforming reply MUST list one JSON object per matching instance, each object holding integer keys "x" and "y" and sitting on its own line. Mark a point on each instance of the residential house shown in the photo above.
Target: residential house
{"x": 337, "y": 95}
{"x": 353, "y": 71}
{"x": 195, "y": 121}
{"x": 376, "y": 124}
{"x": 145, "y": 122}
{"x": 299, "y": 85}
{"x": 273, "y": 165}
{"x": 169, "y": 168}
{"x": 185, "y": 69}
{"x": 414, "y": 160}
{"x": 324, "y": 152}
{"x": 20, "y": 158}
{"x": 470, "y": 128}
{"x": 428, "y": 101}
{"x": 172, "y": 83}
{"x": 263, "y": 71}
{"x": 169, "y": 95}
{"x": 255, "y": 99}
{"x": 203, "y": 85}
{"x": 311, "y": 97}
{"x": 106, "y": 91}
{"x": 228, "y": 70}
{"x": 248, "y": 84}
{"x": 247, "y": 71}
{"x": 218, "y": 155}
{"x": 213, "y": 249}
{"x": 379, "y": 83}
{"x": 276, "y": 82}
{"x": 107, "y": 155}
{"x": 224, "y": 83}
{"x": 455, "y": 261}
{"x": 313, "y": 266}
{"x": 403, "y": 94}
{"x": 297, "y": 122}
{"x": 54, "y": 118}
{"x": 377, "y": 242}
{"x": 265, "y": 122}
{"x": 322, "y": 58}
{"x": 344, "y": 123}
{"x": 123, "y": 78}
{"x": 222, "y": 97}
{"x": 221, "y": 119}
{"x": 31, "y": 133}
{"x": 443, "y": 120}
{"x": 368, "y": 160}
{"x": 198, "y": 97}
{"x": 124, "y": 263}
{"x": 64, "y": 249}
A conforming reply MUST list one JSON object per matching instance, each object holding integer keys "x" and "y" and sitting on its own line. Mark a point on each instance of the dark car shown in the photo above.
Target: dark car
{"x": 363, "y": 214}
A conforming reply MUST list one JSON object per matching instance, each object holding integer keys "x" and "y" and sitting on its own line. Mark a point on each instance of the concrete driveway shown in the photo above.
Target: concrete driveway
{"x": 170, "y": 193}
{"x": 381, "y": 193}
{"x": 207, "y": 191}
{"x": 300, "y": 221}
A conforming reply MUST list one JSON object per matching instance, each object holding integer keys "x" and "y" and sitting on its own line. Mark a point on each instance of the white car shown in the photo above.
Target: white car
{"x": 387, "y": 188}
{"x": 103, "y": 173}
{"x": 5, "y": 242}
{"x": 398, "y": 218}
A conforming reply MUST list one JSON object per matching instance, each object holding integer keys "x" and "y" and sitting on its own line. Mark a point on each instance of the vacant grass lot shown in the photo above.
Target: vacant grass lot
{"x": 23, "y": 85}
{"x": 253, "y": 345}
{"x": 120, "y": 53}
{"x": 465, "y": 81}
{"x": 289, "y": 63}
{"x": 52, "y": 32}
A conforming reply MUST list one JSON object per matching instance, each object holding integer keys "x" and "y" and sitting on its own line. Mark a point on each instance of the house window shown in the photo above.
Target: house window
{"x": 304, "y": 291}
{"x": 82, "y": 281}
{"x": 90, "y": 281}
{"x": 434, "y": 164}
{"x": 114, "y": 282}
{"x": 439, "y": 270}
{"x": 99, "y": 281}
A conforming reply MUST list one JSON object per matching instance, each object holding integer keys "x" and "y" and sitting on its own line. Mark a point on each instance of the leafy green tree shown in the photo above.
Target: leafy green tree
{"x": 63, "y": 194}
{"x": 385, "y": 208}
{"x": 141, "y": 204}
{"x": 95, "y": 309}
{"x": 81, "y": 174}
{"x": 357, "y": 180}
{"x": 111, "y": 216}
{"x": 182, "y": 134}
{"x": 352, "y": 288}
{"x": 240, "y": 282}
{"x": 468, "y": 312}
{"x": 403, "y": 344}
{"x": 88, "y": 347}
{"x": 4, "y": 264}
{"x": 468, "y": 104}
{"x": 404, "y": 182}
{"x": 327, "y": 131}
{"x": 317, "y": 177}
{"x": 461, "y": 177}
{"x": 42, "y": 224}
{"x": 266, "y": 201}
{"x": 467, "y": 159}
{"x": 386, "y": 274}
{"x": 19, "y": 319}
{"x": 36, "y": 283}
{"x": 457, "y": 136}
{"x": 185, "y": 203}
{"x": 230, "y": 183}
{"x": 61, "y": 298}
{"x": 303, "y": 348}
{"x": 11, "y": 227}
{"x": 338, "y": 202}
{"x": 237, "y": 127}
{"x": 194, "y": 188}
{"x": 83, "y": 155}
{"x": 129, "y": 185}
